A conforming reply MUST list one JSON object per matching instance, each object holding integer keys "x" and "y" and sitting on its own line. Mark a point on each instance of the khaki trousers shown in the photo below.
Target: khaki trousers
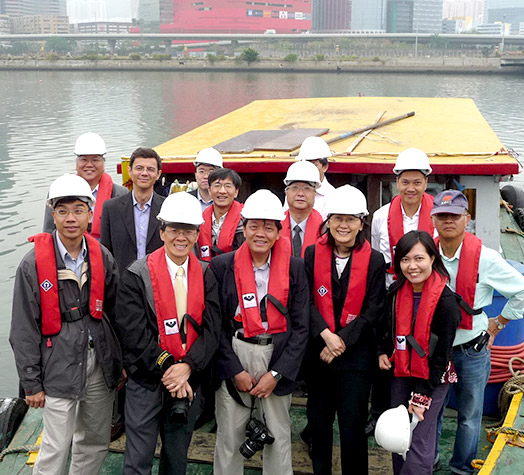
{"x": 232, "y": 419}
{"x": 85, "y": 423}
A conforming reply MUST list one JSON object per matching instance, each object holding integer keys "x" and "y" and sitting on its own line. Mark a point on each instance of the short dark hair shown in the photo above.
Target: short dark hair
{"x": 277, "y": 223}
{"x": 406, "y": 243}
{"x": 164, "y": 225}
{"x": 142, "y": 152}
{"x": 359, "y": 239}
{"x": 223, "y": 173}
{"x": 324, "y": 161}
{"x": 69, "y": 199}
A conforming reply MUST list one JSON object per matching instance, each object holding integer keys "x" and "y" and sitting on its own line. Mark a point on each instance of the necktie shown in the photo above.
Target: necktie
{"x": 181, "y": 303}
{"x": 297, "y": 243}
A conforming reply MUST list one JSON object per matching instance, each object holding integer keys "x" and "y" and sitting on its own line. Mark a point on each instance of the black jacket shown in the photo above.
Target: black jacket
{"x": 445, "y": 321}
{"x": 117, "y": 231}
{"x": 137, "y": 328}
{"x": 289, "y": 346}
{"x": 359, "y": 335}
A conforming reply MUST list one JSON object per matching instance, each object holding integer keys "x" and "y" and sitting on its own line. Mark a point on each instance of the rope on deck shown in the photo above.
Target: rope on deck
{"x": 19, "y": 450}
{"x": 512, "y": 386}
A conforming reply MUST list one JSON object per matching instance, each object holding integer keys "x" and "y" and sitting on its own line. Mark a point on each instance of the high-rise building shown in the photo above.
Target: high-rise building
{"x": 86, "y": 10}
{"x": 427, "y": 16}
{"x": 331, "y": 15}
{"x": 33, "y": 7}
{"x": 464, "y": 9}
{"x": 368, "y": 15}
{"x": 399, "y": 16}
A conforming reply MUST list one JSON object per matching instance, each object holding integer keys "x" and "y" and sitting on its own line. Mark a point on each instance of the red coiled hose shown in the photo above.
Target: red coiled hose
{"x": 500, "y": 356}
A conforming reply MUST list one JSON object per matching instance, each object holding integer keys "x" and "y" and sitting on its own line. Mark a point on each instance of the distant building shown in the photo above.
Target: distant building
{"x": 511, "y": 11}
{"x": 494, "y": 28}
{"x": 15, "y": 8}
{"x": 454, "y": 9}
{"x": 399, "y": 16}
{"x": 331, "y": 15}
{"x": 94, "y": 27}
{"x": 521, "y": 28}
{"x": 368, "y": 15}
{"x": 86, "y": 10}
{"x": 40, "y": 24}
{"x": 452, "y": 26}
{"x": 5, "y": 27}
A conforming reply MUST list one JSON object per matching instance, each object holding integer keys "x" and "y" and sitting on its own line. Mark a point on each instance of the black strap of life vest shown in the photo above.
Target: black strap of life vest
{"x": 198, "y": 328}
{"x": 465, "y": 306}
{"x": 263, "y": 306}
{"x": 433, "y": 340}
{"x": 216, "y": 250}
{"x": 68, "y": 314}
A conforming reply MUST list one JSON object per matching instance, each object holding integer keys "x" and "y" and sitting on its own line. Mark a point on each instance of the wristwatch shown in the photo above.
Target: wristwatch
{"x": 276, "y": 375}
{"x": 500, "y": 325}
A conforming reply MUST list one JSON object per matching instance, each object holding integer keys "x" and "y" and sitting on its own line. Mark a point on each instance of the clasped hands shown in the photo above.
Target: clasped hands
{"x": 335, "y": 346}
{"x": 261, "y": 389}
{"x": 175, "y": 380}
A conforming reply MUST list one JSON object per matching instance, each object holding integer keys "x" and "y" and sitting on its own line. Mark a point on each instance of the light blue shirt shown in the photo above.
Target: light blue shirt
{"x": 141, "y": 225}
{"x": 204, "y": 204}
{"x": 494, "y": 274}
{"x": 72, "y": 264}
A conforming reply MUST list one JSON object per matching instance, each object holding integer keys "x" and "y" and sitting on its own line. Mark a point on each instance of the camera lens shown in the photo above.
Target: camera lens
{"x": 179, "y": 410}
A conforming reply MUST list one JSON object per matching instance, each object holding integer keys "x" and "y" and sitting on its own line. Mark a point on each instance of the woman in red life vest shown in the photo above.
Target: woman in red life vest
{"x": 423, "y": 313}
{"x": 346, "y": 278}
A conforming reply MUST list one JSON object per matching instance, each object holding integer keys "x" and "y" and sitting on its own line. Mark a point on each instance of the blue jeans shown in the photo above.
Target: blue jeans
{"x": 473, "y": 370}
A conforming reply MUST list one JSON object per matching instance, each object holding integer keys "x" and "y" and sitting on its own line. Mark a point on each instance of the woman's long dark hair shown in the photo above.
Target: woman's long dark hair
{"x": 405, "y": 245}
{"x": 359, "y": 239}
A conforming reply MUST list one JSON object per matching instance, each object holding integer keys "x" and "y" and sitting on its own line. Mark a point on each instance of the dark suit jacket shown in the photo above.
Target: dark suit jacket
{"x": 289, "y": 346}
{"x": 49, "y": 223}
{"x": 117, "y": 231}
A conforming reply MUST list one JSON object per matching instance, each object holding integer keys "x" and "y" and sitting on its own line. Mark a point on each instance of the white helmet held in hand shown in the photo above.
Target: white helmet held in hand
{"x": 394, "y": 430}
{"x": 346, "y": 200}
{"x": 313, "y": 148}
{"x": 90, "y": 144}
{"x": 72, "y": 186}
{"x": 182, "y": 208}
{"x": 412, "y": 159}
{"x": 303, "y": 171}
{"x": 263, "y": 204}
{"x": 209, "y": 156}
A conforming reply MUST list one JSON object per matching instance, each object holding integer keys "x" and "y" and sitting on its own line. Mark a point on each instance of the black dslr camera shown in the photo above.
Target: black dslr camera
{"x": 257, "y": 436}
{"x": 179, "y": 410}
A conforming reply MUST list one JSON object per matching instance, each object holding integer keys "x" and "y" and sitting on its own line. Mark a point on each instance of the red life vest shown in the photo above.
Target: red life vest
{"x": 278, "y": 287}
{"x": 467, "y": 275}
{"x": 227, "y": 232}
{"x": 312, "y": 229}
{"x": 165, "y": 307}
{"x": 396, "y": 222}
{"x": 48, "y": 281}
{"x": 105, "y": 189}
{"x": 407, "y": 361}
{"x": 356, "y": 288}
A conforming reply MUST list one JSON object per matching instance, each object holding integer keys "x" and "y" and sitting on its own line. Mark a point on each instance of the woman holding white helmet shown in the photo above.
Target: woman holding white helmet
{"x": 417, "y": 340}
{"x": 346, "y": 278}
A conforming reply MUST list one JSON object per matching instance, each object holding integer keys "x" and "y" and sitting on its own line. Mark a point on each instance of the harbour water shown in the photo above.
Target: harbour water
{"x": 42, "y": 113}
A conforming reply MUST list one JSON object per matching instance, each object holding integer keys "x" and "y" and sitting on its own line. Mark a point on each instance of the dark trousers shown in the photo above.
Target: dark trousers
{"x": 380, "y": 392}
{"x": 345, "y": 394}
{"x": 147, "y": 414}
{"x": 421, "y": 455}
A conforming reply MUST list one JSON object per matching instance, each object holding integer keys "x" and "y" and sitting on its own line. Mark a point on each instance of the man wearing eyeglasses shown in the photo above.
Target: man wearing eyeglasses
{"x": 168, "y": 337}
{"x": 130, "y": 229}
{"x": 222, "y": 229}
{"x": 90, "y": 150}
{"x": 68, "y": 360}
{"x": 302, "y": 222}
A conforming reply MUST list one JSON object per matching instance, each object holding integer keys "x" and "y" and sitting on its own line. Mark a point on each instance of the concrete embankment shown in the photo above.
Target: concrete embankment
{"x": 399, "y": 65}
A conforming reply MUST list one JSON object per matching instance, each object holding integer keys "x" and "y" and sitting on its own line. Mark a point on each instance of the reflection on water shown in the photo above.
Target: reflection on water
{"x": 42, "y": 113}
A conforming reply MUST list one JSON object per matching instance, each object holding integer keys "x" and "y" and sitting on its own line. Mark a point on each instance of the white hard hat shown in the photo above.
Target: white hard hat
{"x": 346, "y": 200}
{"x": 313, "y": 148}
{"x": 303, "y": 171}
{"x": 412, "y": 159}
{"x": 393, "y": 430}
{"x": 263, "y": 204}
{"x": 209, "y": 156}
{"x": 90, "y": 144}
{"x": 69, "y": 185}
{"x": 181, "y": 207}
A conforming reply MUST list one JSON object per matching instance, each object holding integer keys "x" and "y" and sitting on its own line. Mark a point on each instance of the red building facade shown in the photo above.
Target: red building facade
{"x": 239, "y": 16}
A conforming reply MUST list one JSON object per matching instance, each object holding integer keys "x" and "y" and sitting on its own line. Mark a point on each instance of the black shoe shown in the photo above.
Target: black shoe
{"x": 370, "y": 427}
{"x": 437, "y": 466}
{"x": 116, "y": 431}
